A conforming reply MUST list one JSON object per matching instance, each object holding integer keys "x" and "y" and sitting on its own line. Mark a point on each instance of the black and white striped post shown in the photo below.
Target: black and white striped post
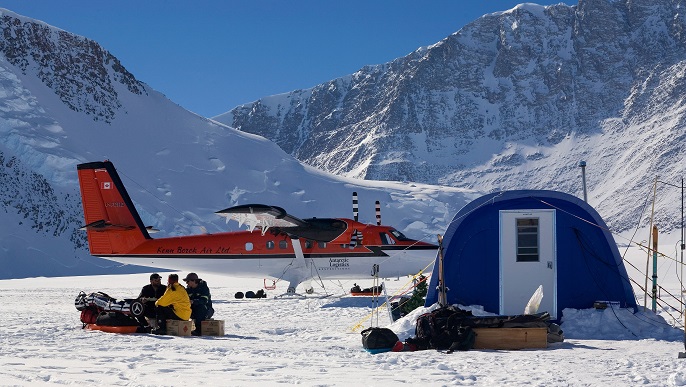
{"x": 355, "y": 206}
{"x": 378, "y": 213}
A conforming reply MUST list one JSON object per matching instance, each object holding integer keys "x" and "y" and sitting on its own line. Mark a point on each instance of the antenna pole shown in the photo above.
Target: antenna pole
{"x": 582, "y": 164}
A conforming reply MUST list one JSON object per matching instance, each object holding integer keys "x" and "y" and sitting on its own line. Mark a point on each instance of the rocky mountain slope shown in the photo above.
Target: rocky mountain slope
{"x": 513, "y": 100}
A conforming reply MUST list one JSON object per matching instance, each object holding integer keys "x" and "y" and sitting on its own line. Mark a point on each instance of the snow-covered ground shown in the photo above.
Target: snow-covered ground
{"x": 307, "y": 341}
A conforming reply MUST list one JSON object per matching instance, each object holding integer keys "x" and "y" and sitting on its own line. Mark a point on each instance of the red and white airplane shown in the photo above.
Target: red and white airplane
{"x": 276, "y": 245}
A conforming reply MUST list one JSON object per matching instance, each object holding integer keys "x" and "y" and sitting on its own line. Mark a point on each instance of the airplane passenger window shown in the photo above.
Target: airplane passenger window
{"x": 270, "y": 245}
{"x": 308, "y": 244}
{"x": 248, "y": 246}
{"x": 283, "y": 244}
{"x": 322, "y": 245}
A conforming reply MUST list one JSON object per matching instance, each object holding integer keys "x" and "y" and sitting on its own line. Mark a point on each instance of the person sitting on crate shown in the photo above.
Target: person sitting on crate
{"x": 201, "y": 301}
{"x": 149, "y": 294}
{"x": 173, "y": 305}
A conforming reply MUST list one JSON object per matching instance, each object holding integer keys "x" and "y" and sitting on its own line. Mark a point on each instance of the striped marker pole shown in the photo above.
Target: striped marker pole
{"x": 378, "y": 213}
{"x": 355, "y": 206}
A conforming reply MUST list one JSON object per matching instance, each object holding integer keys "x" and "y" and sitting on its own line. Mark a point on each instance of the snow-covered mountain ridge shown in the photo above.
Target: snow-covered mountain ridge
{"x": 65, "y": 100}
{"x": 514, "y": 100}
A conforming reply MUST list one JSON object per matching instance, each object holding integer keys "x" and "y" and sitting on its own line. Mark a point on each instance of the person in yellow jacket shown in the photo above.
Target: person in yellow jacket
{"x": 173, "y": 305}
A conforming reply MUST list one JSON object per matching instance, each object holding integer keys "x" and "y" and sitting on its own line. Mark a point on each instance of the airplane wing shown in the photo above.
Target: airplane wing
{"x": 264, "y": 217}
{"x": 318, "y": 229}
{"x": 260, "y": 215}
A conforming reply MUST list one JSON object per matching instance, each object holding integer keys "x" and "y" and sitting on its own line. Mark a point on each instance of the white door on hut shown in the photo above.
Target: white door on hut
{"x": 528, "y": 259}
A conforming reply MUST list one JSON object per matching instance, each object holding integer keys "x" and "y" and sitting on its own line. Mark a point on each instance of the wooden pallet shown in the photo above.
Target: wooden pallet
{"x": 510, "y": 338}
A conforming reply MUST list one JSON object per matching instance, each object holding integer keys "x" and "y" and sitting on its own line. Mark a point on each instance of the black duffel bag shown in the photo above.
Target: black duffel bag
{"x": 376, "y": 339}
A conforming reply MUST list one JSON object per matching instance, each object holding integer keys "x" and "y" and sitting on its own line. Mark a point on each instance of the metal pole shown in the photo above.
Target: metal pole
{"x": 376, "y": 292}
{"x": 442, "y": 295}
{"x": 650, "y": 234}
{"x": 683, "y": 247}
{"x": 582, "y": 164}
{"x": 682, "y": 355}
{"x": 654, "y": 269}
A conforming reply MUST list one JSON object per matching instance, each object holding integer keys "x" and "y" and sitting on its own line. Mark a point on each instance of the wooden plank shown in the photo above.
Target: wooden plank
{"x": 510, "y": 338}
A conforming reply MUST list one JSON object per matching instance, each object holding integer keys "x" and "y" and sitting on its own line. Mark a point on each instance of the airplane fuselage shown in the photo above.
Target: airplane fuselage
{"x": 251, "y": 254}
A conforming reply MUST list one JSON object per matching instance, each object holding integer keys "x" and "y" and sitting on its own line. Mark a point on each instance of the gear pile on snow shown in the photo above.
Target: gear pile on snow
{"x": 99, "y": 308}
{"x": 451, "y": 328}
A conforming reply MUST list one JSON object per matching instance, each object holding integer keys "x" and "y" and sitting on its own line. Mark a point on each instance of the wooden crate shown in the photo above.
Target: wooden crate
{"x": 510, "y": 338}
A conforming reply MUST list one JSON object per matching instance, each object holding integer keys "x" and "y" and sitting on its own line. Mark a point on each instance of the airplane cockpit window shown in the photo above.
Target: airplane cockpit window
{"x": 386, "y": 239}
{"x": 270, "y": 245}
{"x": 248, "y": 246}
{"x": 283, "y": 244}
{"x": 398, "y": 235}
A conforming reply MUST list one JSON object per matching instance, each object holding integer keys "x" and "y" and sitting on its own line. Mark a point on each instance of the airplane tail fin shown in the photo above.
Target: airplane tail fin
{"x": 112, "y": 223}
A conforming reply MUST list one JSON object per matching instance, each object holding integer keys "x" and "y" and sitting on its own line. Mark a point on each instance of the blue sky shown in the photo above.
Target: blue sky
{"x": 210, "y": 56}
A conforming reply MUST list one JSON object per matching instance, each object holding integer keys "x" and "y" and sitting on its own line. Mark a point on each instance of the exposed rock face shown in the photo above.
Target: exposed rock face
{"x": 77, "y": 69}
{"x": 28, "y": 194}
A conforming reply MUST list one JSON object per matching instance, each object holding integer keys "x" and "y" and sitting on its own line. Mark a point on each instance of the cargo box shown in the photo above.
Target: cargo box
{"x": 179, "y": 327}
{"x": 510, "y": 338}
{"x": 212, "y": 328}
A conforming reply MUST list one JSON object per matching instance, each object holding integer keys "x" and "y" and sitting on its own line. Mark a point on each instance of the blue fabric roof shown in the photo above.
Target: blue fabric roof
{"x": 589, "y": 266}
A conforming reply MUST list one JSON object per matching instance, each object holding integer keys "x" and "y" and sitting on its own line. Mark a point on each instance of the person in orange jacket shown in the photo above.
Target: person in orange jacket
{"x": 173, "y": 305}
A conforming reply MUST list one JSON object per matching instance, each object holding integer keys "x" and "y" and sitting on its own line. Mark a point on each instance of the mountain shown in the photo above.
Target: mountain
{"x": 513, "y": 100}
{"x": 65, "y": 100}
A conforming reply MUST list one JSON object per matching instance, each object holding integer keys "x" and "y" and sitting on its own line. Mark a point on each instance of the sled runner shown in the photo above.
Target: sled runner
{"x": 115, "y": 329}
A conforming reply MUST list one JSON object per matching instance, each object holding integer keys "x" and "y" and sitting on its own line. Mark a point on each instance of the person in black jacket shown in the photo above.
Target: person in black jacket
{"x": 149, "y": 294}
{"x": 201, "y": 300}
